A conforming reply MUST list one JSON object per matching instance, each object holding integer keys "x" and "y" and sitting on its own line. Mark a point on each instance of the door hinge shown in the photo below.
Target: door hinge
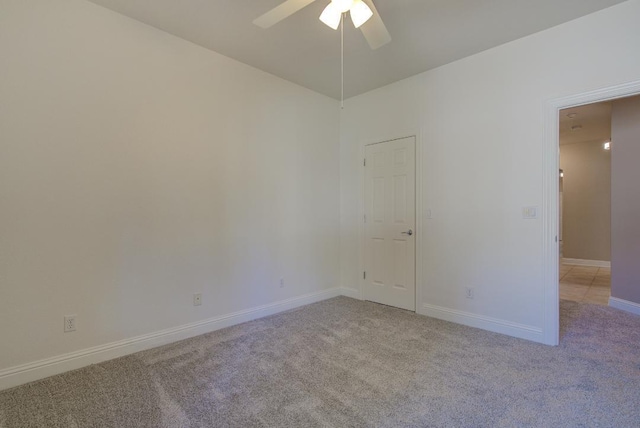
{"x": 364, "y": 275}
{"x": 365, "y": 162}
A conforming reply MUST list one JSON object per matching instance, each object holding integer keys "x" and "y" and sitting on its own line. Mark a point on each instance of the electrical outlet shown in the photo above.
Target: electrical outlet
{"x": 197, "y": 299}
{"x": 468, "y": 293}
{"x": 69, "y": 323}
{"x": 281, "y": 282}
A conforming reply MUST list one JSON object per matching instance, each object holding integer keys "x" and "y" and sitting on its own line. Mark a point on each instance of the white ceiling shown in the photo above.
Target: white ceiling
{"x": 592, "y": 122}
{"x": 426, "y": 34}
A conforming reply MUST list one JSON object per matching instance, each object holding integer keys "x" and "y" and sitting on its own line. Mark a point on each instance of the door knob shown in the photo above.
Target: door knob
{"x": 408, "y": 232}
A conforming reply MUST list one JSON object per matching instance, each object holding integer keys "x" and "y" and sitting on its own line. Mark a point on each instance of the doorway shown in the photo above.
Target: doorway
{"x": 389, "y": 223}
{"x": 584, "y": 227}
{"x": 551, "y": 265}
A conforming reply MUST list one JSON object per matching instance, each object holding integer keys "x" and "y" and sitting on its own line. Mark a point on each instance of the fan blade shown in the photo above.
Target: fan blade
{"x": 374, "y": 29}
{"x": 281, "y": 12}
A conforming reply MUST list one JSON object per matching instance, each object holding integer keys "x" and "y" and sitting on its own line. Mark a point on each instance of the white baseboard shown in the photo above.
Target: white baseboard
{"x": 580, "y": 262}
{"x": 624, "y": 305}
{"x": 483, "y": 322}
{"x": 18, "y": 375}
{"x": 351, "y": 292}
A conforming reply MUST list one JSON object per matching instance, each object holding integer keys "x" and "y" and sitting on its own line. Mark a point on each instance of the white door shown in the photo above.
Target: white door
{"x": 390, "y": 213}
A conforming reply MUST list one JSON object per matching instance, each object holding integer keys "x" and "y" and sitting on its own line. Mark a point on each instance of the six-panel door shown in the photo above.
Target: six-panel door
{"x": 390, "y": 223}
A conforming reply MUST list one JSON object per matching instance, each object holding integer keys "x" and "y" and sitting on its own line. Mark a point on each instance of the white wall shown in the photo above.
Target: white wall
{"x": 480, "y": 121}
{"x": 137, "y": 168}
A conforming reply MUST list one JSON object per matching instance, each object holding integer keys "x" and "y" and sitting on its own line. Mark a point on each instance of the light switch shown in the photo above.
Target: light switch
{"x": 530, "y": 212}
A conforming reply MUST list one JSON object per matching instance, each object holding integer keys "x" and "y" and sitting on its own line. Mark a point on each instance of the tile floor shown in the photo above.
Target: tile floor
{"x": 585, "y": 284}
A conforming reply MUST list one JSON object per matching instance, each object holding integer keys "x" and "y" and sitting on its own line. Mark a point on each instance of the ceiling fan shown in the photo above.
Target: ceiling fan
{"x": 364, "y": 15}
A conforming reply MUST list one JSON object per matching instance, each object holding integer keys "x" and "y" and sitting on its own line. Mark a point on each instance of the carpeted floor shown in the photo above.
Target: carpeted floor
{"x": 347, "y": 363}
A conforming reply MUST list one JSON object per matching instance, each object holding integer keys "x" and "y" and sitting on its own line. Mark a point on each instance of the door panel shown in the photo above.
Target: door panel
{"x": 378, "y": 200}
{"x": 390, "y": 214}
{"x": 378, "y": 272}
{"x": 400, "y": 263}
{"x": 400, "y": 199}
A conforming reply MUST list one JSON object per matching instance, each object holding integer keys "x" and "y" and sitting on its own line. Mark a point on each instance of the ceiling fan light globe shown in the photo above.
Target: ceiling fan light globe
{"x": 331, "y": 16}
{"x": 360, "y": 13}
{"x": 343, "y": 5}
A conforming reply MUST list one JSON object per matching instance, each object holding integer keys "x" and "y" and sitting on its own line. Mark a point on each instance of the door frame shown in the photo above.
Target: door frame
{"x": 551, "y": 190}
{"x": 416, "y": 135}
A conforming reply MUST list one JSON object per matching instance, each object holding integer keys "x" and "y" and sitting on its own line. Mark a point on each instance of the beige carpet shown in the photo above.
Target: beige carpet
{"x": 347, "y": 363}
